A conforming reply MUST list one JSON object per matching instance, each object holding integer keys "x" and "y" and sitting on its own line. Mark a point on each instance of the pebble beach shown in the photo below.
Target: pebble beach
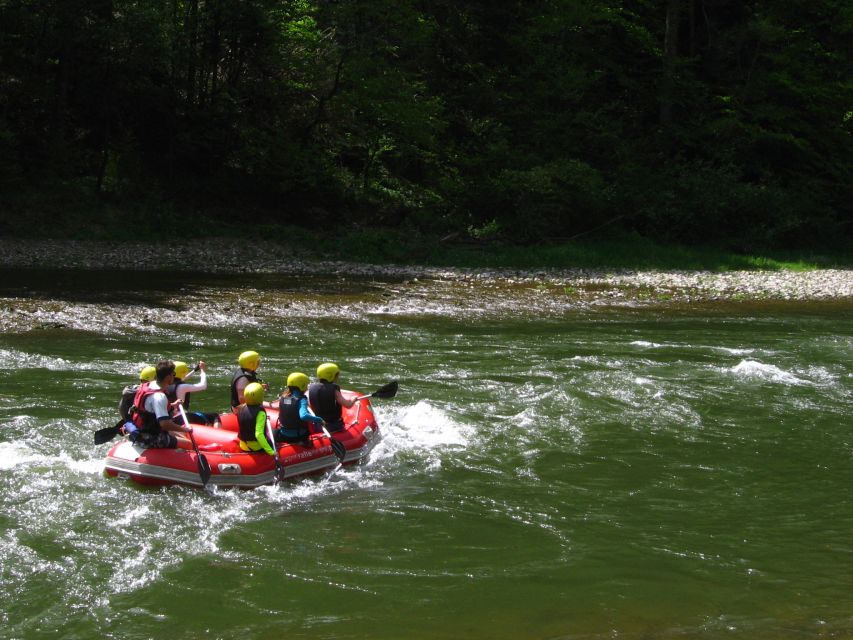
{"x": 223, "y": 256}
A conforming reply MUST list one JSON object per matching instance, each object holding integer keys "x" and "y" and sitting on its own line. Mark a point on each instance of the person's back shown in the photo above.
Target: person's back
{"x": 252, "y": 421}
{"x": 244, "y": 375}
{"x": 325, "y": 404}
{"x": 326, "y": 398}
{"x": 294, "y": 419}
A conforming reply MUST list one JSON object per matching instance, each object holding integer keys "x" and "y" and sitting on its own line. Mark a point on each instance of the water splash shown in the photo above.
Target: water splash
{"x": 424, "y": 426}
{"x": 755, "y": 370}
{"x": 14, "y": 454}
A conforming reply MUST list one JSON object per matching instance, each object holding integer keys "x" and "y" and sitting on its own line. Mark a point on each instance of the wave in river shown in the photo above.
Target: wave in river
{"x": 753, "y": 369}
{"x": 53, "y": 493}
{"x": 735, "y": 351}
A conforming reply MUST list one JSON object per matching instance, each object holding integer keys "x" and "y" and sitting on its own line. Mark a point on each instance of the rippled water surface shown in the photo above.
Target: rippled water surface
{"x": 548, "y": 470}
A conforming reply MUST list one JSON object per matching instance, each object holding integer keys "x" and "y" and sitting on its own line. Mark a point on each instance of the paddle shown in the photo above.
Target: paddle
{"x": 108, "y": 433}
{"x": 203, "y": 465}
{"x": 279, "y": 469}
{"x": 334, "y": 471}
{"x": 195, "y": 369}
{"x": 385, "y": 391}
{"x": 338, "y": 447}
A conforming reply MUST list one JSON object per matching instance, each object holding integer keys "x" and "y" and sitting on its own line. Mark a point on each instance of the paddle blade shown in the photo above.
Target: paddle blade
{"x": 203, "y": 465}
{"x": 386, "y": 391}
{"x": 339, "y": 449}
{"x": 108, "y": 433}
{"x": 204, "y": 471}
{"x": 105, "y": 435}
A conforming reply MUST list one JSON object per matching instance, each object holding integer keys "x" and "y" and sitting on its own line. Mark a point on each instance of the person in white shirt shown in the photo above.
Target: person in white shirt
{"x": 151, "y": 416}
{"x": 180, "y": 390}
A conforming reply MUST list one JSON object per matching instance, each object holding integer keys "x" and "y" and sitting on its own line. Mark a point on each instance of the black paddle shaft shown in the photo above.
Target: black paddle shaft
{"x": 279, "y": 468}
{"x": 204, "y": 471}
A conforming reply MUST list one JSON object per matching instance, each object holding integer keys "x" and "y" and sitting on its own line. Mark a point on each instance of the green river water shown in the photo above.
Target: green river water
{"x": 549, "y": 469}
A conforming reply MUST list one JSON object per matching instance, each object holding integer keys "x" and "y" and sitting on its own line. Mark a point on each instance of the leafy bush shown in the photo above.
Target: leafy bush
{"x": 698, "y": 203}
{"x": 552, "y": 200}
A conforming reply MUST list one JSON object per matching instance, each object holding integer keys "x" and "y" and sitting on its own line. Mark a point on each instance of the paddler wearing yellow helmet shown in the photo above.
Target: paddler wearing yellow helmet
{"x": 146, "y": 374}
{"x": 326, "y": 398}
{"x": 151, "y": 415}
{"x": 252, "y": 420}
{"x": 294, "y": 419}
{"x": 181, "y": 390}
{"x": 246, "y": 373}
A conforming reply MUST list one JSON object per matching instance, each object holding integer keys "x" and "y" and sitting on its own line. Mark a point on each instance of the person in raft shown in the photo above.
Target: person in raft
{"x": 151, "y": 417}
{"x": 180, "y": 390}
{"x": 294, "y": 419}
{"x": 252, "y": 420}
{"x": 326, "y": 398}
{"x": 128, "y": 395}
{"x": 244, "y": 375}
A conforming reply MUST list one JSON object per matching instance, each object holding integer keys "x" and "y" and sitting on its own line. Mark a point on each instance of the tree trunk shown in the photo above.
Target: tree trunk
{"x": 192, "y": 51}
{"x": 102, "y": 167}
{"x": 670, "y": 56}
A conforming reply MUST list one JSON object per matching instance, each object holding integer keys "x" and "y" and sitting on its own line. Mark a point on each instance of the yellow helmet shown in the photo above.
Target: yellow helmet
{"x": 253, "y": 393}
{"x": 250, "y": 360}
{"x": 148, "y": 373}
{"x": 298, "y": 380}
{"x": 327, "y": 371}
{"x": 181, "y": 369}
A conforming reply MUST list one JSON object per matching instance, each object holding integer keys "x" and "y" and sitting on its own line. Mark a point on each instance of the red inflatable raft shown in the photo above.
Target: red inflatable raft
{"x": 231, "y": 466}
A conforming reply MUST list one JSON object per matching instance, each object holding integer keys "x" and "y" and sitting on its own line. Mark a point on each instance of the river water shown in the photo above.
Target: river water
{"x": 549, "y": 469}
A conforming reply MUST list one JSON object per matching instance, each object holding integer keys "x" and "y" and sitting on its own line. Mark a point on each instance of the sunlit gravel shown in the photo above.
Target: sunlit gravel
{"x": 401, "y": 289}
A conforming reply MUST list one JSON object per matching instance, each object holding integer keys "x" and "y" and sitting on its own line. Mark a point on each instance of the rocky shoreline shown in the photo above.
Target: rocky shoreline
{"x": 222, "y": 256}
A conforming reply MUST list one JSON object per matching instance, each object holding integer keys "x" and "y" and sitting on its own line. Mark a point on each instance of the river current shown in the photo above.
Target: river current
{"x": 547, "y": 469}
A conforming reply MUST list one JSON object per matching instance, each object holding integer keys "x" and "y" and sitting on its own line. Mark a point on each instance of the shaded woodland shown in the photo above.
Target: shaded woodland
{"x": 717, "y": 122}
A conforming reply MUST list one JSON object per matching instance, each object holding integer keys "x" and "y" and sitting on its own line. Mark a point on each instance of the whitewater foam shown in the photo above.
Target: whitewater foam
{"x": 14, "y": 454}
{"x": 753, "y": 369}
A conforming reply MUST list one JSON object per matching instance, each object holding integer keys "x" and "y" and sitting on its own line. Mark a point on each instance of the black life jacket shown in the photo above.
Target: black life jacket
{"x": 289, "y": 420}
{"x": 240, "y": 372}
{"x": 324, "y": 401}
{"x": 172, "y": 393}
{"x": 246, "y": 418}
{"x": 128, "y": 394}
{"x": 145, "y": 420}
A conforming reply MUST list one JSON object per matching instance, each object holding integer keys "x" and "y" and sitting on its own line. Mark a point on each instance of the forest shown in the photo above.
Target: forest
{"x": 700, "y": 122}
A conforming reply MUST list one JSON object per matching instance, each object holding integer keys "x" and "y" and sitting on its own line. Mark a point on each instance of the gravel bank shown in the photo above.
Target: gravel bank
{"x": 224, "y": 256}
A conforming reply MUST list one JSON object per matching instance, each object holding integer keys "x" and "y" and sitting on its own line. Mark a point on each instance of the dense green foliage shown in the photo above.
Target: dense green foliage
{"x": 629, "y": 251}
{"x": 724, "y": 122}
